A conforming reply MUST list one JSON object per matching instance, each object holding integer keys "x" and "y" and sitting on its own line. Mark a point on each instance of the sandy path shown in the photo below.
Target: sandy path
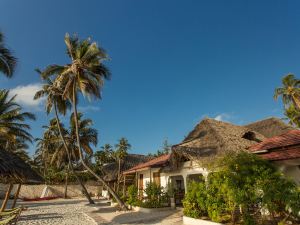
{"x": 56, "y": 212}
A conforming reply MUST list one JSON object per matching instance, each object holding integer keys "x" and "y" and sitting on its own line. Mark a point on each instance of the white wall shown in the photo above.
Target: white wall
{"x": 184, "y": 170}
{"x": 290, "y": 168}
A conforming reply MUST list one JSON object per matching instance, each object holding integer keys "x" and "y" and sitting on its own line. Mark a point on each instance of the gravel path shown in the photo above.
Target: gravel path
{"x": 56, "y": 212}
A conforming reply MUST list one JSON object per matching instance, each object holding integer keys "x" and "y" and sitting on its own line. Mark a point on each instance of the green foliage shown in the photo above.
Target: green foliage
{"x": 155, "y": 196}
{"x": 194, "y": 202}
{"x": 132, "y": 195}
{"x": 247, "y": 182}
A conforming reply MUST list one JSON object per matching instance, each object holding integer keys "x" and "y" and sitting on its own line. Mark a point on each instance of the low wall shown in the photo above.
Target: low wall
{"x": 35, "y": 191}
{"x": 192, "y": 221}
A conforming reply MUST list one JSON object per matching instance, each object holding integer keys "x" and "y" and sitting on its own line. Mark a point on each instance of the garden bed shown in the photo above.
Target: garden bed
{"x": 193, "y": 221}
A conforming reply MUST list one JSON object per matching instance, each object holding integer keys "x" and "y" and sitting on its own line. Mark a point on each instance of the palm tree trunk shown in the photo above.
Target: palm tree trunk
{"x": 111, "y": 191}
{"x": 66, "y": 183}
{"x": 86, "y": 194}
{"x": 119, "y": 175}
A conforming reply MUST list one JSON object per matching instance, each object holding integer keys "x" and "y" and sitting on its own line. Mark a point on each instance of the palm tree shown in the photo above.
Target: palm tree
{"x": 290, "y": 91}
{"x": 293, "y": 114}
{"x": 54, "y": 98}
{"x": 121, "y": 151}
{"x": 85, "y": 74}
{"x": 104, "y": 155}
{"x": 7, "y": 60}
{"x": 12, "y": 121}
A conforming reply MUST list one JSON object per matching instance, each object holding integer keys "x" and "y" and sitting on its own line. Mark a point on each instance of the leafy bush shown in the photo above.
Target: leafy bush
{"x": 246, "y": 182}
{"x": 132, "y": 195}
{"x": 194, "y": 202}
{"x": 155, "y": 196}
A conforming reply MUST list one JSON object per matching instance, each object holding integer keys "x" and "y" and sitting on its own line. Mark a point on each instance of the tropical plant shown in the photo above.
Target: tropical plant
{"x": 194, "y": 202}
{"x": 84, "y": 74}
{"x": 155, "y": 196}
{"x": 133, "y": 196}
{"x": 56, "y": 101}
{"x": 290, "y": 91}
{"x": 121, "y": 151}
{"x": 7, "y": 60}
{"x": 14, "y": 131}
{"x": 105, "y": 155}
{"x": 293, "y": 115}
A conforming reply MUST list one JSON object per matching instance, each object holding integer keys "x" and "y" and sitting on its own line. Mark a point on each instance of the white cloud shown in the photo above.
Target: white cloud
{"x": 88, "y": 108}
{"x": 223, "y": 117}
{"x": 25, "y": 94}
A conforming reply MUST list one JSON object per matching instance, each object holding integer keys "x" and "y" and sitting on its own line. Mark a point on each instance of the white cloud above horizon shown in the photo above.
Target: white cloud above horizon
{"x": 223, "y": 117}
{"x": 25, "y": 94}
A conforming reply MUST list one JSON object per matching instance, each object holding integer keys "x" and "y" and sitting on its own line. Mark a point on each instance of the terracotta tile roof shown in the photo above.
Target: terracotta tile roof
{"x": 282, "y": 147}
{"x": 282, "y": 154}
{"x": 287, "y": 139}
{"x": 159, "y": 161}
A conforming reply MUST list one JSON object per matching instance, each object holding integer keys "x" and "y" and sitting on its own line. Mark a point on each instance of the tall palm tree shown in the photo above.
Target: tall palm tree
{"x": 290, "y": 91}
{"x": 121, "y": 151}
{"x": 7, "y": 60}
{"x": 54, "y": 98}
{"x": 84, "y": 74}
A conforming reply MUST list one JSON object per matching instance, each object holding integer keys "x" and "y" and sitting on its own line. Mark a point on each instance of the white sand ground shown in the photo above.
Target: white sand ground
{"x": 56, "y": 212}
{"x": 77, "y": 212}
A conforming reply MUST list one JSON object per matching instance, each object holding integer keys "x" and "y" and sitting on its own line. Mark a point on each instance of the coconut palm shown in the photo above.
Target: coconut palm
{"x": 84, "y": 74}
{"x": 105, "y": 155}
{"x": 121, "y": 151}
{"x": 13, "y": 124}
{"x": 55, "y": 100}
{"x": 293, "y": 115}
{"x": 7, "y": 60}
{"x": 290, "y": 91}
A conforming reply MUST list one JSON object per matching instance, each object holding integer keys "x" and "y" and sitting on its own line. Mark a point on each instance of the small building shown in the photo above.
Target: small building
{"x": 190, "y": 159}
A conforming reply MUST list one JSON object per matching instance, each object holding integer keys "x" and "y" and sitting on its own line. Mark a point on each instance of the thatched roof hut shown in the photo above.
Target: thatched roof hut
{"x": 14, "y": 170}
{"x": 110, "y": 170}
{"x": 211, "y": 137}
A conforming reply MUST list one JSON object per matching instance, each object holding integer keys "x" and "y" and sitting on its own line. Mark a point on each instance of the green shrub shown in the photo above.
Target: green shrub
{"x": 246, "y": 182}
{"x": 155, "y": 196}
{"x": 132, "y": 195}
{"x": 194, "y": 202}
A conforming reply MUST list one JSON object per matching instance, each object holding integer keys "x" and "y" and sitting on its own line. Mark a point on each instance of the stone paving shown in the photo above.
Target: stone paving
{"x": 104, "y": 214}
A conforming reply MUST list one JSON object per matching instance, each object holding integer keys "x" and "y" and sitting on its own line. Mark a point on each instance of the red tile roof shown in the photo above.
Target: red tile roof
{"x": 282, "y": 154}
{"x": 159, "y": 161}
{"x": 287, "y": 139}
{"x": 282, "y": 147}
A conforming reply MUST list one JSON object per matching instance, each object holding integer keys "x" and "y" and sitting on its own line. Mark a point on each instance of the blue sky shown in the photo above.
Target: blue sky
{"x": 172, "y": 62}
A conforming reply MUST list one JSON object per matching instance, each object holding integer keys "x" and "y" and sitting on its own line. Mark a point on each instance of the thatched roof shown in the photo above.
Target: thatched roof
{"x": 210, "y": 137}
{"x": 270, "y": 127}
{"x": 110, "y": 170}
{"x": 14, "y": 169}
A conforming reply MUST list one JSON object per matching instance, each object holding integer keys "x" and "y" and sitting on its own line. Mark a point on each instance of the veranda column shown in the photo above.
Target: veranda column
{"x": 16, "y": 196}
{"x": 6, "y": 197}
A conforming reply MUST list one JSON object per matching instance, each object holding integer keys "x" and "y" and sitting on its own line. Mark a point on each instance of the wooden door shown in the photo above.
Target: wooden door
{"x": 156, "y": 178}
{"x": 141, "y": 185}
